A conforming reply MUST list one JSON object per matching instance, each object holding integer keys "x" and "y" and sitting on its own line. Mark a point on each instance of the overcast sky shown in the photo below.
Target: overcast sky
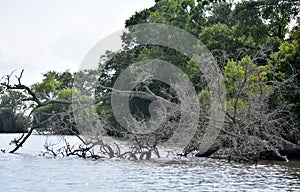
{"x": 43, "y": 35}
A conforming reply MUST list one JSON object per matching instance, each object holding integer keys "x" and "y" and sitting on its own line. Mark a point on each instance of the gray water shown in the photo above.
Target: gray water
{"x": 29, "y": 171}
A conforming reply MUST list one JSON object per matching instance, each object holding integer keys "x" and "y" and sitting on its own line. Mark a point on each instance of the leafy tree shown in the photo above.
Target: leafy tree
{"x": 252, "y": 123}
{"x": 11, "y": 118}
{"x": 184, "y": 14}
{"x": 258, "y": 110}
{"x": 249, "y": 28}
{"x": 288, "y": 59}
{"x": 288, "y": 55}
{"x": 219, "y": 37}
{"x": 266, "y": 17}
{"x": 220, "y": 12}
{"x": 279, "y": 14}
{"x": 55, "y": 86}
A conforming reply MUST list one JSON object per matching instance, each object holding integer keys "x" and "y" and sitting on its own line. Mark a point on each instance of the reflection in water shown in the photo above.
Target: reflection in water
{"x": 31, "y": 172}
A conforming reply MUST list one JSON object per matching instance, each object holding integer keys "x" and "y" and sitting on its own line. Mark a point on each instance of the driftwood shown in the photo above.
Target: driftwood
{"x": 209, "y": 152}
{"x": 291, "y": 153}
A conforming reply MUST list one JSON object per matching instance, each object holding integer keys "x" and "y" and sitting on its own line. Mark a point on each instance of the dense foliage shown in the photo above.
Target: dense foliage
{"x": 11, "y": 118}
{"x": 234, "y": 32}
{"x": 257, "y": 47}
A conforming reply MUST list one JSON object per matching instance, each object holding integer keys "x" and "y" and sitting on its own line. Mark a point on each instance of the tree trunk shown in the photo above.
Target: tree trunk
{"x": 291, "y": 153}
{"x": 209, "y": 152}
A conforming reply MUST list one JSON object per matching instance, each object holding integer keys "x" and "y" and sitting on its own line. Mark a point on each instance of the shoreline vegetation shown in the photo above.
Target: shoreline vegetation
{"x": 256, "y": 45}
{"x": 58, "y": 148}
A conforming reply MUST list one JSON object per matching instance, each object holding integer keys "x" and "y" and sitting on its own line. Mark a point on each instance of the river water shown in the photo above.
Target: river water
{"x": 29, "y": 171}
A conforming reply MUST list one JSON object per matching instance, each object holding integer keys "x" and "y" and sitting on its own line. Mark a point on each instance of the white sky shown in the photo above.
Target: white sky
{"x": 43, "y": 35}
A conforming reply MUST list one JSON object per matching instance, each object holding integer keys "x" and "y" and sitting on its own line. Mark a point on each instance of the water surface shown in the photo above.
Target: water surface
{"x": 29, "y": 171}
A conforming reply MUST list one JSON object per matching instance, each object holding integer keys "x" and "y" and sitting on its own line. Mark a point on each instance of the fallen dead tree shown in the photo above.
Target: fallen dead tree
{"x": 253, "y": 123}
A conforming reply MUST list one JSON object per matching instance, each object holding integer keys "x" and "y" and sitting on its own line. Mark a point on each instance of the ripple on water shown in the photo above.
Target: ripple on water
{"x": 28, "y": 171}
